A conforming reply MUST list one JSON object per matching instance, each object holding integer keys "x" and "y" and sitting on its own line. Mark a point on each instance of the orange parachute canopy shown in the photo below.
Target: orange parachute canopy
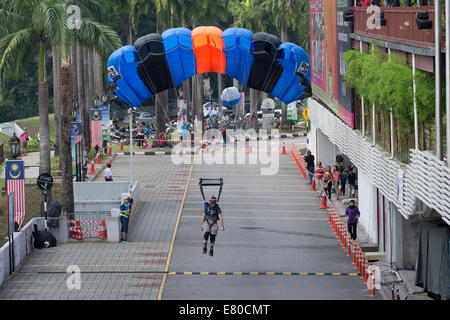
{"x": 208, "y": 49}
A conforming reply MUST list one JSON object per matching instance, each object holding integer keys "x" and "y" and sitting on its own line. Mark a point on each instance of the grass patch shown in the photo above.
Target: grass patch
{"x": 32, "y": 205}
{"x": 32, "y": 124}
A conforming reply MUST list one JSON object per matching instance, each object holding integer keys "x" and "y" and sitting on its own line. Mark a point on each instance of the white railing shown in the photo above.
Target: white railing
{"x": 426, "y": 178}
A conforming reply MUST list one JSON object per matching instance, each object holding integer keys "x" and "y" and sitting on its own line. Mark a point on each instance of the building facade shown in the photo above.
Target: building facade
{"x": 403, "y": 204}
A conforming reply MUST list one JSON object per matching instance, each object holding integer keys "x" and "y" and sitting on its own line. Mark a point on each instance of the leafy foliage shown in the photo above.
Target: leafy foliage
{"x": 387, "y": 81}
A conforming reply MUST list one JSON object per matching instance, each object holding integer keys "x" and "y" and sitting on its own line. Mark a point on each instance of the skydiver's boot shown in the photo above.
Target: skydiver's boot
{"x": 204, "y": 248}
{"x": 211, "y": 251}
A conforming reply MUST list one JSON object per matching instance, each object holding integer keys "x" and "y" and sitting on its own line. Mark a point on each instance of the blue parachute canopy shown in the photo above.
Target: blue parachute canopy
{"x": 237, "y": 44}
{"x": 265, "y": 70}
{"x": 180, "y": 54}
{"x": 296, "y": 68}
{"x": 230, "y": 96}
{"x": 122, "y": 70}
{"x": 153, "y": 68}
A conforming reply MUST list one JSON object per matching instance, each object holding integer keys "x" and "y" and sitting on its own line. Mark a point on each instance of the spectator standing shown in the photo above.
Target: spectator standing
{"x": 320, "y": 171}
{"x": 108, "y": 172}
{"x": 24, "y": 139}
{"x": 351, "y": 178}
{"x": 206, "y": 112}
{"x": 336, "y": 175}
{"x": 352, "y": 214}
{"x": 328, "y": 181}
{"x": 85, "y": 163}
{"x": 125, "y": 210}
{"x": 343, "y": 180}
{"x": 309, "y": 159}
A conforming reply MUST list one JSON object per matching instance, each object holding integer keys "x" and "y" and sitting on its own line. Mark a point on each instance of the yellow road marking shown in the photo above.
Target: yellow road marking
{"x": 135, "y": 212}
{"x": 260, "y": 210}
{"x": 262, "y": 218}
{"x": 264, "y": 203}
{"x": 169, "y": 256}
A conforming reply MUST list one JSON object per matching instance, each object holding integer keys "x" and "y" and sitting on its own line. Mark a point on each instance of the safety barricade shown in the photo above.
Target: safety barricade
{"x": 301, "y": 164}
{"x": 84, "y": 229}
{"x": 352, "y": 248}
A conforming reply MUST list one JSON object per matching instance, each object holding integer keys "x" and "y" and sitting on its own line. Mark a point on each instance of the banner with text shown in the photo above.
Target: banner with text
{"x": 96, "y": 128}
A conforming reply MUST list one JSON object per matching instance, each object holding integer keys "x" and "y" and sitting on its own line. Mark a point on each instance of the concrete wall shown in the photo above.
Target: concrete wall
{"x": 23, "y": 246}
{"x": 101, "y": 196}
{"x": 326, "y": 151}
{"x": 367, "y": 202}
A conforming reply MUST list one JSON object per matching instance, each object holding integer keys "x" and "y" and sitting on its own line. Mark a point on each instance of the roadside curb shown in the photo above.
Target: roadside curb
{"x": 247, "y": 139}
{"x": 102, "y": 167}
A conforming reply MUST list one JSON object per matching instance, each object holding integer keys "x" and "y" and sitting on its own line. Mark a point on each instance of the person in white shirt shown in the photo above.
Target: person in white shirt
{"x": 206, "y": 112}
{"x": 108, "y": 172}
{"x": 214, "y": 112}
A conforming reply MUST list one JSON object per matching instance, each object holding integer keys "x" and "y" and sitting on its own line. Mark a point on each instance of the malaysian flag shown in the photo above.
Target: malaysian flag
{"x": 15, "y": 183}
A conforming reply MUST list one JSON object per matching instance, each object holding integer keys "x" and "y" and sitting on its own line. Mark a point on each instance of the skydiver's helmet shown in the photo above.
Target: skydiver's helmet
{"x": 212, "y": 201}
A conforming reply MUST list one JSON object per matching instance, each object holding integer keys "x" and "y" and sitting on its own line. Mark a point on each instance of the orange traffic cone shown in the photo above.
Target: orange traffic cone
{"x": 98, "y": 159}
{"x": 92, "y": 171}
{"x": 250, "y": 150}
{"x": 324, "y": 202}
{"x": 121, "y": 145}
{"x": 313, "y": 185}
{"x": 110, "y": 151}
{"x": 102, "y": 233}
{"x": 284, "y": 149}
{"x": 206, "y": 149}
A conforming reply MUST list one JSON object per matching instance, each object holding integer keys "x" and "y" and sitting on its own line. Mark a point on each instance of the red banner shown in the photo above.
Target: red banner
{"x": 96, "y": 128}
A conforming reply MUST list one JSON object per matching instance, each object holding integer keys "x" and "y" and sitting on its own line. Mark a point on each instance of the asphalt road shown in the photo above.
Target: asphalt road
{"x": 273, "y": 224}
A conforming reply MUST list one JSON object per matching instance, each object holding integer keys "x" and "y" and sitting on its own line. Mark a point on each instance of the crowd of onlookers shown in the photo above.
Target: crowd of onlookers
{"x": 337, "y": 178}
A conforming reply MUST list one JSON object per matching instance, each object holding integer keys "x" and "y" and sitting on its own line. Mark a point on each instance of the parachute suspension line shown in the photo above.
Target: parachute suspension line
{"x": 266, "y": 79}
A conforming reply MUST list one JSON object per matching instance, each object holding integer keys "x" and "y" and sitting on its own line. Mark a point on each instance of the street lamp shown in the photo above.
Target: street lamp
{"x": 130, "y": 115}
{"x": 96, "y": 101}
{"x": 14, "y": 146}
{"x": 75, "y": 109}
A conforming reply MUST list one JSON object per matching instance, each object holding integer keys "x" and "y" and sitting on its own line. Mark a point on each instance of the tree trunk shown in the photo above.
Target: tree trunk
{"x": 220, "y": 87}
{"x": 56, "y": 60}
{"x": 130, "y": 32}
{"x": 92, "y": 94}
{"x": 80, "y": 90}
{"x": 87, "y": 98}
{"x": 235, "y": 108}
{"x": 73, "y": 72}
{"x": 187, "y": 97}
{"x": 66, "y": 148}
{"x": 199, "y": 96}
{"x": 98, "y": 75}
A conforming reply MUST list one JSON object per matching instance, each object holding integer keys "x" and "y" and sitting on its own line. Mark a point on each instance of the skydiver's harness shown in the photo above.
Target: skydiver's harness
{"x": 211, "y": 213}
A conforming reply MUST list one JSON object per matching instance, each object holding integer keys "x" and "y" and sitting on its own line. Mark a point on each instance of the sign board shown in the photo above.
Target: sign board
{"x": 45, "y": 181}
{"x": 106, "y": 117}
{"x": 305, "y": 114}
{"x": 292, "y": 111}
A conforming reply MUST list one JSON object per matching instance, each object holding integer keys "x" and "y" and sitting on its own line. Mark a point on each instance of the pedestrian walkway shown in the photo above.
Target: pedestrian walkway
{"x": 113, "y": 270}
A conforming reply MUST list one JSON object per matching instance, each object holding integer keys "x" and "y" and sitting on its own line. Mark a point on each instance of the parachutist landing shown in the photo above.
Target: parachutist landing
{"x": 211, "y": 214}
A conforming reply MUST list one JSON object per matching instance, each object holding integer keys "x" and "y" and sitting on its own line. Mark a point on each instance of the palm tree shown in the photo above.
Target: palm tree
{"x": 28, "y": 25}
{"x": 94, "y": 36}
{"x": 37, "y": 24}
